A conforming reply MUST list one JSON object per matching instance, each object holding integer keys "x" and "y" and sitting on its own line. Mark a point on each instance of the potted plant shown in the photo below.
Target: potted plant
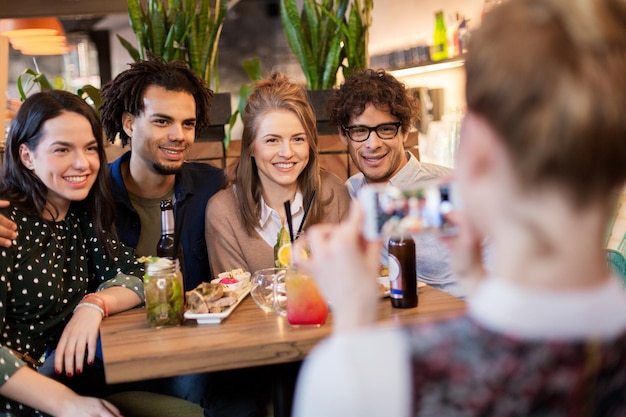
{"x": 187, "y": 30}
{"x": 356, "y": 37}
{"x": 324, "y": 37}
{"x": 30, "y": 78}
{"x": 315, "y": 38}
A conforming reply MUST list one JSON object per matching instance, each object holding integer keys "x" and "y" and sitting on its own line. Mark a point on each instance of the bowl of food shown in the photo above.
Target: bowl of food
{"x": 233, "y": 280}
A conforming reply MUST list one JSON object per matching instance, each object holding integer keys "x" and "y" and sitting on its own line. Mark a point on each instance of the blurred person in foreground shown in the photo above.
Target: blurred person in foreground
{"x": 540, "y": 162}
{"x": 373, "y": 113}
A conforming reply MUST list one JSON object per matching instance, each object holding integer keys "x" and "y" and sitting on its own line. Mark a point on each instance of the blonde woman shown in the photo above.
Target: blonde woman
{"x": 278, "y": 163}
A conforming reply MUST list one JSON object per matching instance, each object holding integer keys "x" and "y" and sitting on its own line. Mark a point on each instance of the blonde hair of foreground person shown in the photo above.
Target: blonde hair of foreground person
{"x": 541, "y": 155}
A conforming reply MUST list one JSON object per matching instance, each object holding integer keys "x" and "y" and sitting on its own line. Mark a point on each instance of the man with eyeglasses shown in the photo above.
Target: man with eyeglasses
{"x": 374, "y": 112}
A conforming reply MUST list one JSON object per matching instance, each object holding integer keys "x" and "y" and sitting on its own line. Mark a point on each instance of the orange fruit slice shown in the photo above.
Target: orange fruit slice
{"x": 283, "y": 256}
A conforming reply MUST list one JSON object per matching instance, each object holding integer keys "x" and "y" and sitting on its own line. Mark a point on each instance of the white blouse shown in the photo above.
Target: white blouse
{"x": 270, "y": 224}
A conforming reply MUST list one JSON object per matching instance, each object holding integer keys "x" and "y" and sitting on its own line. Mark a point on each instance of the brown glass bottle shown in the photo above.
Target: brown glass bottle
{"x": 402, "y": 274}
{"x": 166, "y": 247}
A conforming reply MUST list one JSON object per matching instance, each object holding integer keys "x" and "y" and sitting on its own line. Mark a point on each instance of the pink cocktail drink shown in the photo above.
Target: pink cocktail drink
{"x": 305, "y": 304}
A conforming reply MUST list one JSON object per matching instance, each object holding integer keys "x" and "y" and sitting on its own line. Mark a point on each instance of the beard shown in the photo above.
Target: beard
{"x": 166, "y": 170}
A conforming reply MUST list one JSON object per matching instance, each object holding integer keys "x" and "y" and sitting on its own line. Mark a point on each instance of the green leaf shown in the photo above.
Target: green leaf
{"x": 184, "y": 29}
{"x": 252, "y": 67}
{"x": 93, "y": 93}
{"x": 293, "y": 29}
{"x": 132, "y": 51}
{"x": 136, "y": 17}
{"x": 329, "y": 77}
{"x": 244, "y": 92}
{"x": 157, "y": 21}
{"x": 28, "y": 79}
{"x": 229, "y": 131}
{"x": 315, "y": 36}
{"x": 311, "y": 25}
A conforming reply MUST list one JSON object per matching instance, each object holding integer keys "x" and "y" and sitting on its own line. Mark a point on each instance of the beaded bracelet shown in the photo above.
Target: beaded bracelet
{"x": 90, "y": 305}
{"x": 95, "y": 298}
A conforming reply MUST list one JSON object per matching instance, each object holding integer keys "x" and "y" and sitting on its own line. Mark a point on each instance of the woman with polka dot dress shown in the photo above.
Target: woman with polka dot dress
{"x": 65, "y": 271}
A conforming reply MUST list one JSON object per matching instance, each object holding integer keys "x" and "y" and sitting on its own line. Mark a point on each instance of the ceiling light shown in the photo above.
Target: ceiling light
{"x": 21, "y": 42}
{"x": 36, "y": 36}
{"x": 31, "y": 27}
{"x": 46, "y": 50}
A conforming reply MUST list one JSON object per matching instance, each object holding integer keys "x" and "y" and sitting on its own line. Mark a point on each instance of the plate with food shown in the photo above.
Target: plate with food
{"x": 210, "y": 303}
{"x": 234, "y": 279}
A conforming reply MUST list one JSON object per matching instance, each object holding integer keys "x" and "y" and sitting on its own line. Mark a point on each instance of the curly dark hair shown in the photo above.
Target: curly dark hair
{"x": 125, "y": 92}
{"x": 376, "y": 87}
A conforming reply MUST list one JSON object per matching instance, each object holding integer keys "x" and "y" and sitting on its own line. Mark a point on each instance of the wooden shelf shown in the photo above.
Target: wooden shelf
{"x": 430, "y": 66}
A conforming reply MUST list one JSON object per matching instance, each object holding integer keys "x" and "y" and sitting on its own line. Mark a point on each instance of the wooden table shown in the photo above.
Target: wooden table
{"x": 248, "y": 337}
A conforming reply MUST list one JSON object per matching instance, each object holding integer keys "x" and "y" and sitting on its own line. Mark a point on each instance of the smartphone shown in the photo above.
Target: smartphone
{"x": 392, "y": 211}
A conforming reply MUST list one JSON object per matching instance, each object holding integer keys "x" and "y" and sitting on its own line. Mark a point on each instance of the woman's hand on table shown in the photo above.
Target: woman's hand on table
{"x": 345, "y": 267}
{"x": 80, "y": 336}
{"x": 7, "y": 228}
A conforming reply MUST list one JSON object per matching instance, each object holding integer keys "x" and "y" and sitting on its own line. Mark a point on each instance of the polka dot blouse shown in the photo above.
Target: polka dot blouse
{"x": 43, "y": 276}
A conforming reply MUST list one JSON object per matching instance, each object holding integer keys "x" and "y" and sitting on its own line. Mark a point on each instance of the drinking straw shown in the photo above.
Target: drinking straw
{"x": 306, "y": 212}
{"x": 287, "y": 205}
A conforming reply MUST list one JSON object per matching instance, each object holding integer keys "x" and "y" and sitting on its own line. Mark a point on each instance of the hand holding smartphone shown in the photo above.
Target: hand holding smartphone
{"x": 393, "y": 211}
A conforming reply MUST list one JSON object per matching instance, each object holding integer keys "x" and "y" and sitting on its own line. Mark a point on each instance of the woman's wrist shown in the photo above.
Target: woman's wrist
{"x": 90, "y": 305}
{"x": 95, "y": 301}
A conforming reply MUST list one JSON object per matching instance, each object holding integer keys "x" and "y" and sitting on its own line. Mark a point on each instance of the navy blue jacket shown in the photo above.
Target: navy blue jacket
{"x": 195, "y": 184}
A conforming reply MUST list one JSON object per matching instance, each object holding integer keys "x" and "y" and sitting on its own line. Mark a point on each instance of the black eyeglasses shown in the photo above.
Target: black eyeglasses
{"x": 361, "y": 133}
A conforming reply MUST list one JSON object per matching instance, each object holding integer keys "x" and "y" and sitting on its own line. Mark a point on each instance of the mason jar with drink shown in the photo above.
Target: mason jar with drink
{"x": 165, "y": 300}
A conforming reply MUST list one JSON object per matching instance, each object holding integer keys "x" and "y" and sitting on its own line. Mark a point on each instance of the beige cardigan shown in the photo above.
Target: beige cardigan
{"x": 229, "y": 244}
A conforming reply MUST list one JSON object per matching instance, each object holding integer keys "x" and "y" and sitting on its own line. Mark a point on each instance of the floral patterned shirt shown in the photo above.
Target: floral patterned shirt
{"x": 462, "y": 369}
{"x": 43, "y": 276}
{"x": 518, "y": 351}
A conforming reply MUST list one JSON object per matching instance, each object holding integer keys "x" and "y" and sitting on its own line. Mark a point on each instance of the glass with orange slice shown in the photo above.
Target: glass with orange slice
{"x": 305, "y": 305}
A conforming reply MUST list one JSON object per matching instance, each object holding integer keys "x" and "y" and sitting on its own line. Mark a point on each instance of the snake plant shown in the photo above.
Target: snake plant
{"x": 323, "y": 39}
{"x": 356, "y": 37}
{"x": 187, "y": 30}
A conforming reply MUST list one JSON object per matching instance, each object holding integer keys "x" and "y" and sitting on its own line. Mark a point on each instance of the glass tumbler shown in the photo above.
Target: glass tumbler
{"x": 297, "y": 297}
{"x": 263, "y": 282}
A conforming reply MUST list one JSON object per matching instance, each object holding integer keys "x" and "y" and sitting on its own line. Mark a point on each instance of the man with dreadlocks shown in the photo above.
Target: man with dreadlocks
{"x": 158, "y": 108}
